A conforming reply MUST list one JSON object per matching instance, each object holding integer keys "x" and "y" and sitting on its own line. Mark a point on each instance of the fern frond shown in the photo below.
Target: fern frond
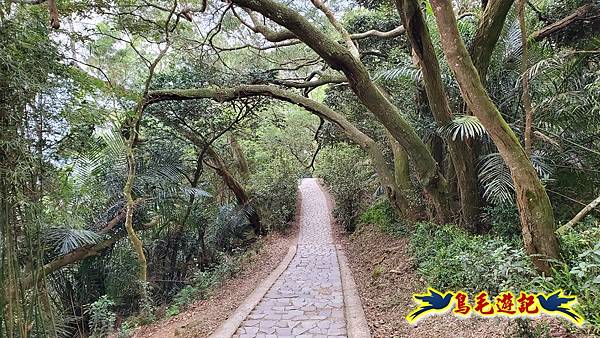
{"x": 400, "y": 73}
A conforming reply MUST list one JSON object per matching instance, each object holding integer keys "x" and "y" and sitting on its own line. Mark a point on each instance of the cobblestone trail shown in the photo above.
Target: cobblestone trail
{"x": 306, "y": 300}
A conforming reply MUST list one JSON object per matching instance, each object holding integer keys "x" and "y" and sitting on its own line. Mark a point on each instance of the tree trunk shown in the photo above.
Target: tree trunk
{"x": 488, "y": 33}
{"x": 401, "y": 166}
{"x": 242, "y": 163}
{"x": 339, "y": 58}
{"x": 236, "y": 188}
{"x": 460, "y": 154}
{"x": 537, "y": 217}
{"x": 527, "y": 107}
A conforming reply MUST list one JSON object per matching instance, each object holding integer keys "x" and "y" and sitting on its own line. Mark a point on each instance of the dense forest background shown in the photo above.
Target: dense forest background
{"x": 146, "y": 146}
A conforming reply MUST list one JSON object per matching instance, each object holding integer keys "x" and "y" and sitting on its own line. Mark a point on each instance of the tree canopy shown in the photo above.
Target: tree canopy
{"x": 143, "y": 141}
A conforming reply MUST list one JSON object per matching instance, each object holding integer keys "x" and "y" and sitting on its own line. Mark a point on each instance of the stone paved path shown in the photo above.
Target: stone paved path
{"x": 306, "y": 300}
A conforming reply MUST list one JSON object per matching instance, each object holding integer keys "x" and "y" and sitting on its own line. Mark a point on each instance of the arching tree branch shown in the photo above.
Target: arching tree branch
{"x": 228, "y": 94}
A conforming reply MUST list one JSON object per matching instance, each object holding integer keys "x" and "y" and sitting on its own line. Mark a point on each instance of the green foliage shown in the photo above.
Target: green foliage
{"x": 102, "y": 317}
{"x": 275, "y": 189}
{"x": 204, "y": 281}
{"x": 382, "y": 215}
{"x": 504, "y": 220}
{"x": 450, "y": 258}
{"x": 121, "y": 276}
{"x": 579, "y": 270}
{"x": 347, "y": 173}
{"x": 279, "y": 158}
{"x": 463, "y": 127}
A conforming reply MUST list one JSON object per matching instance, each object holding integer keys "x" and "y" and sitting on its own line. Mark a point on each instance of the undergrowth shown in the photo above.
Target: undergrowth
{"x": 200, "y": 286}
{"x": 382, "y": 215}
{"x": 450, "y": 258}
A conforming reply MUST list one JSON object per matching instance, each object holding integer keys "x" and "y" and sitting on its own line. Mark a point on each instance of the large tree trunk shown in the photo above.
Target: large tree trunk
{"x": 401, "y": 166}
{"x": 460, "y": 154}
{"x": 537, "y": 217}
{"x": 386, "y": 177}
{"x": 340, "y": 58}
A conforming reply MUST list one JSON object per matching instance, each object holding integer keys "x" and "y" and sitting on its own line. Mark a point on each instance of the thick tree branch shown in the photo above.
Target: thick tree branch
{"x": 319, "y": 109}
{"x": 375, "y": 33}
{"x": 580, "y": 215}
{"x": 488, "y": 33}
{"x": 338, "y": 27}
{"x": 286, "y": 35}
{"x": 77, "y": 255}
{"x": 339, "y": 58}
{"x": 313, "y": 83}
{"x": 557, "y": 26}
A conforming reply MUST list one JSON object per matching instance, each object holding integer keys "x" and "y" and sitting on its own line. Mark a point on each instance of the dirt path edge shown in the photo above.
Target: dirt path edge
{"x": 355, "y": 315}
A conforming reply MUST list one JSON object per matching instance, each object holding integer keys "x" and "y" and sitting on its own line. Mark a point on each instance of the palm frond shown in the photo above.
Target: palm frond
{"x": 497, "y": 182}
{"x": 66, "y": 240}
{"x": 513, "y": 48}
{"x": 110, "y": 151}
{"x": 400, "y": 73}
{"x": 494, "y": 176}
{"x": 463, "y": 127}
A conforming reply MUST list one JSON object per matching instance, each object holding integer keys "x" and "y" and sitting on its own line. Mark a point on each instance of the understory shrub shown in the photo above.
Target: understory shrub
{"x": 449, "y": 258}
{"x": 102, "y": 316}
{"x": 274, "y": 188}
{"x": 382, "y": 215}
{"x": 347, "y": 174}
{"x": 504, "y": 220}
{"x": 578, "y": 271}
{"x": 203, "y": 282}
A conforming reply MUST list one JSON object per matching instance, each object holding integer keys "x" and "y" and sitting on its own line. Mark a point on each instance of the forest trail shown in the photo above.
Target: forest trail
{"x": 307, "y": 299}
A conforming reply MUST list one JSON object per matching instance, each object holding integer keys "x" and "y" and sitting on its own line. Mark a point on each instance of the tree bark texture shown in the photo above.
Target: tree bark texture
{"x": 537, "y": 217}
{"x": 460, "y": 154}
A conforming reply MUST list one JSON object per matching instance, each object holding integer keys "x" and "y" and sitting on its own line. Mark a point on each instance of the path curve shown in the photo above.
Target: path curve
{"x": 307, "y": 299}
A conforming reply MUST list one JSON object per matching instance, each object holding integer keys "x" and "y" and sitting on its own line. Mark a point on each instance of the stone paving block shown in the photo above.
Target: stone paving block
{"x": 306, "y": 300}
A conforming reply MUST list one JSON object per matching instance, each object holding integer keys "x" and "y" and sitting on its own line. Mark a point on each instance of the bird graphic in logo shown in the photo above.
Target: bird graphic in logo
{"x": 558, "y": 303}
{"x": 431, "y": 302}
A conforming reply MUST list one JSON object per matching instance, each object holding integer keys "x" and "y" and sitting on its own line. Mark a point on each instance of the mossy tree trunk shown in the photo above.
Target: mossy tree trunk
{"x": 341, "y": 59}
{"x": 488, "y": 33}
{"x": 460, "y": 154}
{"x": 401, "y": 166}
{"x": 536, "y": 214}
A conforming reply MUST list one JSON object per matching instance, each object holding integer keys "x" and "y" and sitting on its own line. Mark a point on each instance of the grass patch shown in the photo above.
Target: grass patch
{"x": 382, "y": 215}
